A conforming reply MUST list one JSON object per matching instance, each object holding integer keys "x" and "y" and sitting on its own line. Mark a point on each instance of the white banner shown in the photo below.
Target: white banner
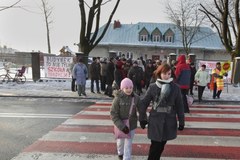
{"x": 57, "y": 67}
{"x": 210, "y": 65}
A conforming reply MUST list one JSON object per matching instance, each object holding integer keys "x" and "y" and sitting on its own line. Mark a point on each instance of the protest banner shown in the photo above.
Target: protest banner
{"x": 57, "y": 67}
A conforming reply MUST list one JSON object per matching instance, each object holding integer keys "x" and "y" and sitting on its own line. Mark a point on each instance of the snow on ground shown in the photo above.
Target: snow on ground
{"x": 44, "y": 83}
{"x": 50, "y": 84}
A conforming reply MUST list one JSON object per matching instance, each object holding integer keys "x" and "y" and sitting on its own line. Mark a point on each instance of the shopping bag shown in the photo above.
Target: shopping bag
{"x": 189, "y": 100}
{"x": 119, "y": 134}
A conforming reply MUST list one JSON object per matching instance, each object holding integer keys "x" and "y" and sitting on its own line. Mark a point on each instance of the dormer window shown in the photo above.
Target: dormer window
{"x": 169, "y": 36}
{"x": 156, "y": 38}
{"x": 143, "y": 35}
{"x": 144, "y": 38}
{"x": 168, "y": 39}
{"x": 156, "y": 35}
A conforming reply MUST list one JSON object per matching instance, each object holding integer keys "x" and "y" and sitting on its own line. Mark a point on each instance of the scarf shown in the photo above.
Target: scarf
{"x": 159, "y": 82}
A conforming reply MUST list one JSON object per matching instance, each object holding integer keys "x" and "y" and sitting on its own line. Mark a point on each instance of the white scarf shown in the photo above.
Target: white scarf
{"x": 159, "y": 81}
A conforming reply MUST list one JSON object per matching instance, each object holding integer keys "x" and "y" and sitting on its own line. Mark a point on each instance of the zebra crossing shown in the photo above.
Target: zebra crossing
{"x": 211, "y": 133}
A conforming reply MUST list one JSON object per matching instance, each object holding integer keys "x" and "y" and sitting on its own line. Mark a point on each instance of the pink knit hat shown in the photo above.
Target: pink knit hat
{"x": 126, "y": 82}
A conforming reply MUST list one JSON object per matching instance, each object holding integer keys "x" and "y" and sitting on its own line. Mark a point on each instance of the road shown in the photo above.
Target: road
{"x": 211, "y": 133}
{"x": 24, "y": 120}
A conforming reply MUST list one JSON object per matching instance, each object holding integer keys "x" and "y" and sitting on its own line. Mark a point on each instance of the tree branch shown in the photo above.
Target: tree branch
{"x": 11, "y": 6}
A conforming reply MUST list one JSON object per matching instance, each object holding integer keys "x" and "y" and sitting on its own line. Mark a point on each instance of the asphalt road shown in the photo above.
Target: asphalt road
{"x": 24, "y": 120}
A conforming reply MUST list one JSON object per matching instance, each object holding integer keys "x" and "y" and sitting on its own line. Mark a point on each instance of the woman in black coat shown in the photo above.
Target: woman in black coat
{"x": 167, "y": 107}
{"x": 110, "y": 77}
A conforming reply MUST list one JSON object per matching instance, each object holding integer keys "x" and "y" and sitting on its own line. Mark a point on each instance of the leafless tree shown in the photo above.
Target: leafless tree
{"x": 47, "y": 11}
{"x": 186, "y": 16}
{"x": 10, "y": 6}
{"x": 89, "y": 31}
{"x": 224, "y": 16}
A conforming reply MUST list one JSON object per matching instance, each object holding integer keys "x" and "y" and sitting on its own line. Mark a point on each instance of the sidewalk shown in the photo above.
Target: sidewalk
{"x": 47, "y": 89}
{"x": 62, "y": 89}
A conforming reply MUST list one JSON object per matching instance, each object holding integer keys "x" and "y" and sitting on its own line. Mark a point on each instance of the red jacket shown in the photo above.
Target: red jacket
{"x": 183, "y": 73}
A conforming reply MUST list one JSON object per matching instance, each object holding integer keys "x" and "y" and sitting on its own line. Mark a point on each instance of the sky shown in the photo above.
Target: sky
{"x": 25, "y": 30}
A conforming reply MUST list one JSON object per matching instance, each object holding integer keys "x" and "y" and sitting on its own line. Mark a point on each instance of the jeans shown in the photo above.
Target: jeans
{"x": 97, "y": 85}
{"x": 124, "y": 146}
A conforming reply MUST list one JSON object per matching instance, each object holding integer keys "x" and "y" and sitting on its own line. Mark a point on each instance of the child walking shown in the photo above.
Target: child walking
{"x": 120, "y": 111}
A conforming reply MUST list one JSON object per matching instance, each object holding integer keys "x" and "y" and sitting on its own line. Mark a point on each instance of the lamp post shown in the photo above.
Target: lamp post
{"x": 78, "y": 45}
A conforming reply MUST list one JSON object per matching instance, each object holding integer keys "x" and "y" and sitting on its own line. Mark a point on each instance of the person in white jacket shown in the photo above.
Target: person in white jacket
{"x": 202, "y": 78}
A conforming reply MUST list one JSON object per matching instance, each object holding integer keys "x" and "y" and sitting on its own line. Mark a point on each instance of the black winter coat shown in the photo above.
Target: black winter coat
{"x": 110, "y": 73}
{"x": 95, "y": 71}
{"x": 162, "y": 126}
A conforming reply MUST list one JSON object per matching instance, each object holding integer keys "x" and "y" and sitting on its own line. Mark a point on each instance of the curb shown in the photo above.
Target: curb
{"x": 32, "y": 96}
{"x": 216, "y": 101}
{"x": 106, "y": 98}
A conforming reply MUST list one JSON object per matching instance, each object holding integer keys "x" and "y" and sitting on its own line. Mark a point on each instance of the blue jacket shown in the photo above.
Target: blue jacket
{"x": 80, "y": 73}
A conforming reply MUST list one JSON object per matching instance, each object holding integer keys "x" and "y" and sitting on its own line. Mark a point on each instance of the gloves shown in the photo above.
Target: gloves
{"x": 221, "y": 77}
{"x": 86, "y": 78}
{"x": 181, "y": 127}
{"x": 143, "y": 124}
{"x": 125, "y": 130}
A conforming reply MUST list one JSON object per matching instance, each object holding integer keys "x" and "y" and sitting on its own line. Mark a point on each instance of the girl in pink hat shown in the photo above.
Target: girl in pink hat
{"x": 124, "y": 106}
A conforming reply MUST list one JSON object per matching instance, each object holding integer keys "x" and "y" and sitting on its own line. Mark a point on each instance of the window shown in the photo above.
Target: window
{"x": 168, "y": 39}
{"x": 144, "y": 38}
{"x": 119, "y": 54}
{"x": 156, "y": 38}
{"x": 129, "y": 55}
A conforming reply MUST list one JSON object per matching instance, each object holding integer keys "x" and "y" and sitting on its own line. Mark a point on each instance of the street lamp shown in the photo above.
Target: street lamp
{"x": 78, "y": 45}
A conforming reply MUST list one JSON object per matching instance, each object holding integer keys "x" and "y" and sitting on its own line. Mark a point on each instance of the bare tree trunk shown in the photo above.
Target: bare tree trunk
{"x": 47, "y": 10}
{"x": 224, "y": 16}
{"x": 89, "y": 35}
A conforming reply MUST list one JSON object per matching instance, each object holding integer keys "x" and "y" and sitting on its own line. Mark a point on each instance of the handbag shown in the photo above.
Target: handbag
{"x": 120, "y": 134}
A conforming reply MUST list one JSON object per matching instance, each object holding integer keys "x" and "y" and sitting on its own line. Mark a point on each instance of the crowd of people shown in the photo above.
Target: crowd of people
{"x": 167, "y": 86}
{"x": 106, "y": 75}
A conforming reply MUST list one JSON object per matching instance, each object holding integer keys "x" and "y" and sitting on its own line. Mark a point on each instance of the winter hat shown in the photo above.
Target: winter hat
{"x": 126, "y": 82}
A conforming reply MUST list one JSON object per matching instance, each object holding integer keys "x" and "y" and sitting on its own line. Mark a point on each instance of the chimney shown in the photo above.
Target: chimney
{"x": 116, "y": 24}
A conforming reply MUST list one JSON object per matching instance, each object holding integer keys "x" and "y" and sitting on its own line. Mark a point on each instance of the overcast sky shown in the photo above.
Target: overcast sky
{"x": 25, "y": 30}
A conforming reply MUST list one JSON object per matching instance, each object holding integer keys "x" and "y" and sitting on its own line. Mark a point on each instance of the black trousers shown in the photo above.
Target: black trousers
{"x": 103, "y": 83}
{"x": 156, "y": 149}
{"x": 215, "y": 92}
{"x": 200, "y": 92}
{"x": 109, "y": 90}
{"x": 191, "y": 87}
{"x": 73, "y": 85}
{"x": 184, "y": 98}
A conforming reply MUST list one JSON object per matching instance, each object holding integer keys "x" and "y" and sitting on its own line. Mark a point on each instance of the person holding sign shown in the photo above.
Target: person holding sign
{"x": 217, "y": 82}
